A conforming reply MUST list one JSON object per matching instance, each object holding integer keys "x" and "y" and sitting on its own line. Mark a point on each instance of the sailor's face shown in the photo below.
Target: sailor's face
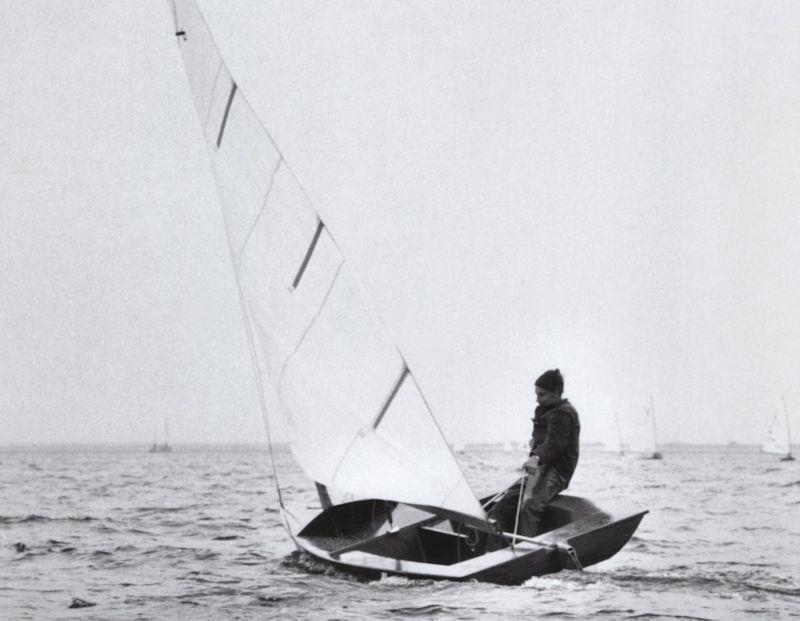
{"x": 547, "y": 397}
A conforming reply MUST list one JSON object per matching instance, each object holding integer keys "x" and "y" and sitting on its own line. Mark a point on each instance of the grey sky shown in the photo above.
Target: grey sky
{"x": 605, "y": 187}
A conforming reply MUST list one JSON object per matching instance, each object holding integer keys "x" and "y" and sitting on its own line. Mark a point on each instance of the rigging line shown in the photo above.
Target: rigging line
{"x": 174, "y": 14}
{"x": 243, "y": 306}
{"x": 522, "y": 483}
{"x": 227, "y": 111}
{"x": 261, "y": 211}
{"x": 788, "y": 430}
{"x": 260, "y": 387}
{"x": 210, "y": 97}
{"x": 453, "y": 490}
{"x": 441, "y": 433}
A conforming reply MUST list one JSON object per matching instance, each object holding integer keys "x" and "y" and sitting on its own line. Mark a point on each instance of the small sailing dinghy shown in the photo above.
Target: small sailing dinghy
{"x": 779, "y": 439}
{"x": 389, "y": 495}
{"x": 644, "y": 440}
{"x": 162, "y": 447}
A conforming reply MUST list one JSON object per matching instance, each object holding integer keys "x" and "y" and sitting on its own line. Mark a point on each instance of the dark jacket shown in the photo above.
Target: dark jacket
{"x": 556, "y": 436}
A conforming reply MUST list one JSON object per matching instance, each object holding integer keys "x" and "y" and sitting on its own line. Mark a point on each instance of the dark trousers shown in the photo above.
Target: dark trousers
{"x": 545, "y": 486}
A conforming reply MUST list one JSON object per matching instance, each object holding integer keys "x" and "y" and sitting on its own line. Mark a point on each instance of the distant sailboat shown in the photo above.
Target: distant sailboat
{"x": 613, "y": 443}
{"x": 164, "y": 447}
{"x": 779, "y": 438}
{"x": 645, "y": 442}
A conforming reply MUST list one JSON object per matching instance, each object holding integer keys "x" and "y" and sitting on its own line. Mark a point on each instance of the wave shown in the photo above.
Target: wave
{"x": 734, "y": 563}
{"x": 722, "y": 580}
{"x": 423, "y": 611}
{"x": 301, "y": 562}
{"x": 659, "y": 615}
{"x": 250, "y": 559}
{"x": 792, "y": 592}
{"x": 166, "y": 509}
{"x": 35, "y": 517}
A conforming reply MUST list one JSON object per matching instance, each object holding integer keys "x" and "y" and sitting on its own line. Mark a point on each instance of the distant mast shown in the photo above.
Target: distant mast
{"x": 778, "y": 436}
{"x": 788, "y": 456}
{"x": 161, "y": 448}
{"x": 655, "y": 453}
{"x": 614, "y": 444}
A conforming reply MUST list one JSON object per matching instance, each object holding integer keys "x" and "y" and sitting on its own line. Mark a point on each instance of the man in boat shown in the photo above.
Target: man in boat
{"x": 551, "y": 462}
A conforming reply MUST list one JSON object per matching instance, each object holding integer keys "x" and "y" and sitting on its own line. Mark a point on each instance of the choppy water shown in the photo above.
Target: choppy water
{"x": 195, "y": 535}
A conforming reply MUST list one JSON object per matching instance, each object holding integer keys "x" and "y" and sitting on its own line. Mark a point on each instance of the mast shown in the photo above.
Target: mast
{"x": 619, "y": 432}
{"x": 788, "y": 431}
{"x": 653, "y": 419}
{"x": 656, "y": 454}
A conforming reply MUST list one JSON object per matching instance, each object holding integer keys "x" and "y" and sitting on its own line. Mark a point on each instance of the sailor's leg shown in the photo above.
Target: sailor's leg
{"x": 545, "y": 488}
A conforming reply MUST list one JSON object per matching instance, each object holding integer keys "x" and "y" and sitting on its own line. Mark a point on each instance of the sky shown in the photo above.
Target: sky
{"x": 604, "y": 187}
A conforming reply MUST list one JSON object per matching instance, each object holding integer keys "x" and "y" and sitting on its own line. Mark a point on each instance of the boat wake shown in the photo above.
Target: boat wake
{"x": 301, "y": 562}
{"x": 749, "y": 584}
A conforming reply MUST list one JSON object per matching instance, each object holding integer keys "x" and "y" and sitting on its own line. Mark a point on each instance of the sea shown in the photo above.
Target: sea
{"x": 196, "y": 534}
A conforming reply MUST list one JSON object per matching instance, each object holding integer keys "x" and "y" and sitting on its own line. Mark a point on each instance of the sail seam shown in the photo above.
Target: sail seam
{"x": 263, "y": 208}
{"x": 306, "y": 331}
{"x": 342, "y": 458}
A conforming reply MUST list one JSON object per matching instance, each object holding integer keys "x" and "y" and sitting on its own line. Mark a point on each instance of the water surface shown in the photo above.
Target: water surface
{"x": 195, "y": 534}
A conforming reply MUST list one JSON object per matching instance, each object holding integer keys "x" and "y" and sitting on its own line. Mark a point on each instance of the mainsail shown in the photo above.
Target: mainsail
{"x": 356, "y": 418}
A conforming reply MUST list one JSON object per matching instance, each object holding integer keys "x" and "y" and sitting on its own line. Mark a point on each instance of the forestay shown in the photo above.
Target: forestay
{"x": 355, "y": 415}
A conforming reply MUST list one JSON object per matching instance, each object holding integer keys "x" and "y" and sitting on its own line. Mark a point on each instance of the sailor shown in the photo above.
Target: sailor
{"x": 551, "y": 462}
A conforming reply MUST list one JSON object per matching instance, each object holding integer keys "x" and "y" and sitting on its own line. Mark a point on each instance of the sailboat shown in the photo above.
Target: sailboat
{"x": 613, "y": 443}
{"x": 164, "y": 447}
{"x": 391, "y": 497}
{"x": 644, "y": 438}
{"x": 779, "y": 438}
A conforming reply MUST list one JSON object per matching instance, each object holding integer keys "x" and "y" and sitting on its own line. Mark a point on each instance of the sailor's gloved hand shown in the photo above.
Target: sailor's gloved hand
{"x": 531, "y": 465}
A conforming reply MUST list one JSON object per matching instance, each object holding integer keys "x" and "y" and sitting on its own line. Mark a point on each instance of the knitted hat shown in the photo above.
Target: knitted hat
{"x": 551, "y": 380}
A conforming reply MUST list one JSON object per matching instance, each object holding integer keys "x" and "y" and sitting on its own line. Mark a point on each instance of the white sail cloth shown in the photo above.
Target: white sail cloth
{"x": 355, "y": 416}
{"x": 778, "y": 435}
